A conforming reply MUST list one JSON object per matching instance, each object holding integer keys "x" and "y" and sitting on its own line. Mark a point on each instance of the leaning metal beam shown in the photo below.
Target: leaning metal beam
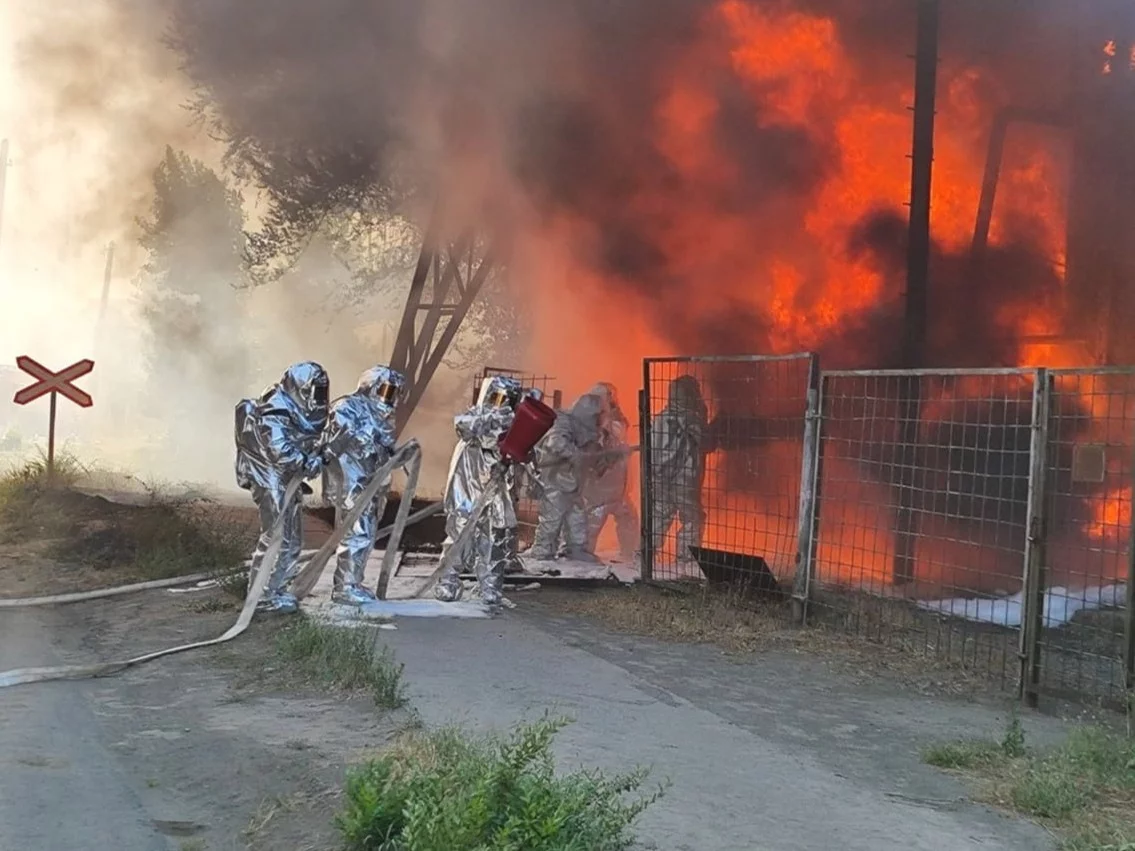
{"x": 993, "y": 160}
{"x": 447, "y": 280}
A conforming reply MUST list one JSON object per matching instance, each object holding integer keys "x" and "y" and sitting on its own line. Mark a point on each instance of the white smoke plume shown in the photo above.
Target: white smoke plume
{"x": 90, "y": 98}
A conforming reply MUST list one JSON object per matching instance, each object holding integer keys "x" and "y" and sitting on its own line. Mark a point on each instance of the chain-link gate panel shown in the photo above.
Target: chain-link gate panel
{"x": 923, "y": 506}
{"x": 722, "y": 450}
{"x": 1085, "y": 584}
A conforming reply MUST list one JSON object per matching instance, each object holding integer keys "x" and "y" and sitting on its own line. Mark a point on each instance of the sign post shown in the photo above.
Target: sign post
{"x": 54, "y": 383}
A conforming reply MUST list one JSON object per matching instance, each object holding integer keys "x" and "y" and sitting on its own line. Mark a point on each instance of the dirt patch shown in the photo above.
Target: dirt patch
{"x": 1082, "y": 790}
{"x": 57, "y": 540}
{"x": 743, "y": 627}
{"x": 226, "y": 748}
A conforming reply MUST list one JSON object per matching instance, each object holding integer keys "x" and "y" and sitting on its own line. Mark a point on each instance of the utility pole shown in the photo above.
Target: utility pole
{"x": 917, "y": 285}
{"x": 106, "y": 275}
{"x": 100, "y": 322}
{"x": 3, "y": 182}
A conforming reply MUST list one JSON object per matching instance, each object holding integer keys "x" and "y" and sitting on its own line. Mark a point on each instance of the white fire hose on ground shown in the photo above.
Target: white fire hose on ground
{"x": 409, "y": 454}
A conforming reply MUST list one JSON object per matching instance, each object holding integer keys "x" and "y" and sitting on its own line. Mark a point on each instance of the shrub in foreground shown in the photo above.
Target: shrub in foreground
{"x": 450, "y": 791}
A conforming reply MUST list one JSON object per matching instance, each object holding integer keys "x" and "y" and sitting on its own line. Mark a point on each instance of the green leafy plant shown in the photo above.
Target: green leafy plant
{"x": 451, "y": 791}
{"x": 1013, "y": 744}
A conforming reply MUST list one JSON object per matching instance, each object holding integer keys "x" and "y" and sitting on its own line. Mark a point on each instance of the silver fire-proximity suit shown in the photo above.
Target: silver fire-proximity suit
{"x": 559, "y": 459}
{"x": 605, "y": 482}
{"x": 358, "y": 440}
{"x": 677, "y": 466}
{"x": 277, "y": 439}
{"x": 476, "y": 459}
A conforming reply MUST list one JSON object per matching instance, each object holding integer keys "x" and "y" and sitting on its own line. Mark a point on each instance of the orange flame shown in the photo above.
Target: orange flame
{"x": 799, "y": 73}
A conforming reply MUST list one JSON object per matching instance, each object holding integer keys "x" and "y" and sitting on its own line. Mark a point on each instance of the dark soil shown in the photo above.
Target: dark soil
{"x": 424, "y": 536}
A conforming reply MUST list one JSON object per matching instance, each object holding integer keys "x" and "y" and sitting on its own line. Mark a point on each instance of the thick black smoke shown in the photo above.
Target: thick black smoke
{"x": 546, "y": 107}
{"x": 551, "y": 103}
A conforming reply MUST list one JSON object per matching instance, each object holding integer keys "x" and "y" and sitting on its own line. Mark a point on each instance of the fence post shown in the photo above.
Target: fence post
{"x": 645, "y": 487}
{"x": 1033, "y": 586}
{"x": 1129, "y": 626}
{"x": 808, "y": 515}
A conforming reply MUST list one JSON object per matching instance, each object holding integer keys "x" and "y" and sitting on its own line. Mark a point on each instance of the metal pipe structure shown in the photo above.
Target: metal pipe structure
{"x": 455, "y": 272}
{"x": 994, "y": 159}
{"x": 922, "y": 161}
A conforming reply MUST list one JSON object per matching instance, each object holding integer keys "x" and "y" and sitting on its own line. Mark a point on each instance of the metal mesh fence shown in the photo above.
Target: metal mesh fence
{"x": 923, "y": 499}
{"x": 722, "y": 451}
{"x": 1090, "y": 439}
{"x": 983, "y": 516}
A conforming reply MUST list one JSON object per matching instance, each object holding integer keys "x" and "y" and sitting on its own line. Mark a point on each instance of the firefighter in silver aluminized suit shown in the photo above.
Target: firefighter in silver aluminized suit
{"x": 277, "y": 439}
{"x": 677, "y": 466}
{"x": 605, "y": 482}
{"x": 477, "y": 456}
{"x": 358, "y": 439}
{"x": 560, "y": 457}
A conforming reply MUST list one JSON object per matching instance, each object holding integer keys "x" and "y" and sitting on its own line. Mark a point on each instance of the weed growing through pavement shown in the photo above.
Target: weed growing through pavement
{"x": 1083, "y": 790}
{"x": 343, "y": 658}
{"x": 450, "y": 790}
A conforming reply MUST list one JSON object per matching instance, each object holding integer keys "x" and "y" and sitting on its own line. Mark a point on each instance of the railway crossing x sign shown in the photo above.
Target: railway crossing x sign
{"x": 54, "y": 383}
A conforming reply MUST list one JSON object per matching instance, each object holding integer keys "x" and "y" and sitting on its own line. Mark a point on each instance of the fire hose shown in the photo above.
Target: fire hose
{"x": 496, "y": 482}
{"x": 408, "y": 454}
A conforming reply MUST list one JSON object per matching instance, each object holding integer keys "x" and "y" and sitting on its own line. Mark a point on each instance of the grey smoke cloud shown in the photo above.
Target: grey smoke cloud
{"x": 553, "y": 106}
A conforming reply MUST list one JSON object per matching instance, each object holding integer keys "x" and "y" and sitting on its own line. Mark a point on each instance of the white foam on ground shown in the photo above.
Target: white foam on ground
{"x": 425, "y": 609}
{"x": 400, "y": 603}
{"x": 411, "y": 572}
{"x": 1060, "y": 605}
{"x": 384, "y": 611}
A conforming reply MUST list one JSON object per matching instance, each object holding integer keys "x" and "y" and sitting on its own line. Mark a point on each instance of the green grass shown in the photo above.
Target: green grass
{"x": 342, "y": 658}
{"x": 961, "y": 756}
{"x": 452, "y": 791}
{"x": 1083, "y": 790}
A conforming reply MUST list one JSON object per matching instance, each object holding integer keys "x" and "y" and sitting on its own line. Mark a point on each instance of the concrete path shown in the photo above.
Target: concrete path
{"x": 771, "y": 755}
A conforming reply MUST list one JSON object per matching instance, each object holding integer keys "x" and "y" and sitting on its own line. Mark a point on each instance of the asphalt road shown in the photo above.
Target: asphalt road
{"x": 60, "y": 788}
{"x": 775, "y": 754}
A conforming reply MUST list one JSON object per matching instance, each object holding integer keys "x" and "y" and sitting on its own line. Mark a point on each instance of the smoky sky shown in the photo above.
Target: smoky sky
{"x": 553, "y": 100}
